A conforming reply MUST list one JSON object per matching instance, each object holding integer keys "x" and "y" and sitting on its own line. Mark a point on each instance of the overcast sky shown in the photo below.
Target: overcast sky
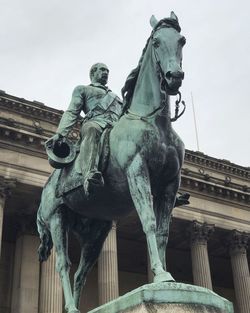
{"x": 47, "y": 48}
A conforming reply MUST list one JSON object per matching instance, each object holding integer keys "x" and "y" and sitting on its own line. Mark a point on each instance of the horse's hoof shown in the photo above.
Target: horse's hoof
{"x": 164, "y": 276}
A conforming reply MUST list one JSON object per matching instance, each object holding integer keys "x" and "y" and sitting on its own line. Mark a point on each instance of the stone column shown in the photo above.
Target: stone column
{"x": 5, "y": 188}
{"x": 108, "y": 286}
{"x": 25, "y": 289}
{"x": 200, "y": 233}
{"x": 2, "y": 204}
{"x": 238, "y": 253}
{"x": 6, "y": 276}
{"x": 51, "y": 296}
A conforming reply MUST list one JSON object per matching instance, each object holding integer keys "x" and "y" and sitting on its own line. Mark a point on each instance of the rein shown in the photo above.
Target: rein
{"x": 177, "y": 107}
{"x": 134, "y": 116}
{"x": 144, "y": 118}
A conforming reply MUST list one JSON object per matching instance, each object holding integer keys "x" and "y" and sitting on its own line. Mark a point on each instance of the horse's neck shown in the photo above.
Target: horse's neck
{"x": 147, "y": 96}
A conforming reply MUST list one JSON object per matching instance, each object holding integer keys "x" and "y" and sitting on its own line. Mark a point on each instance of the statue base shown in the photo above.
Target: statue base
{"x": 168, "y": 298}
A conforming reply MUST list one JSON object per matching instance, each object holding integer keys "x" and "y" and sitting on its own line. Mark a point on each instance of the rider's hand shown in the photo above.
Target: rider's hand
{"x": 57, "y": 138}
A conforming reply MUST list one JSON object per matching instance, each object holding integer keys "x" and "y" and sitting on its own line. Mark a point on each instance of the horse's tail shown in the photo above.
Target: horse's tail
{"x": 46, "y": 241}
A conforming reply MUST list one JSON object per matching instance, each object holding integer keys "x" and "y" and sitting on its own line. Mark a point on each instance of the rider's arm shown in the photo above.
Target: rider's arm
{"x": 70, "y": 116}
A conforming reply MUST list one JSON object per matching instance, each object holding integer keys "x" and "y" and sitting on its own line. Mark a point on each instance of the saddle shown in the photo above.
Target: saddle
{"x": 69, "y": 179}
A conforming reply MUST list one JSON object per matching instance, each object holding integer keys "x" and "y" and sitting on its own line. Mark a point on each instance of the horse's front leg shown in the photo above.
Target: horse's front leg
{"x": 139, "y": 186}
{"x": 59, "y": 234}
{"x": 163, "y": 207}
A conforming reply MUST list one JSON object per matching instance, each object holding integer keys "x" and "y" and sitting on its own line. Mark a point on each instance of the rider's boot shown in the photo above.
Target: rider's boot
{"x": 93, "y": 181}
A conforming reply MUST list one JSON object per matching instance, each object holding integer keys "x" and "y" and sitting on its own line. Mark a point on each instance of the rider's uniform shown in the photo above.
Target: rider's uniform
{"x": 102, "y": 109}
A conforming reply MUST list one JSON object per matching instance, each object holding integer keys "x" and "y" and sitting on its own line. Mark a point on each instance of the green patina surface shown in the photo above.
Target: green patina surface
{"x": 167, "y": 293}
{"x": 143, "y": 167}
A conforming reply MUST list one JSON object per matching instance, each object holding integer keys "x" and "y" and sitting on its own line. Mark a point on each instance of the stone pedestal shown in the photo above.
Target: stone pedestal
{"x": 168, "y": 298}
{"x": 108, "y": 287}
{"x": 200, "y": 233}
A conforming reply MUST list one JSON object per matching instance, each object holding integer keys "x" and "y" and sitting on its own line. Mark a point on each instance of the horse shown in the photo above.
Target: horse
{"x": 143, "y": 170}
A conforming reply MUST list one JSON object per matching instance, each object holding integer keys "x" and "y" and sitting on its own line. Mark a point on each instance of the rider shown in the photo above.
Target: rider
{"x": 102, "y": 108}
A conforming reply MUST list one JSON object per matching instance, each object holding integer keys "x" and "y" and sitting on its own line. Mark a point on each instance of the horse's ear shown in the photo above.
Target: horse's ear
{"x": 173, "y": 16}
{"x": 153, "y": 21}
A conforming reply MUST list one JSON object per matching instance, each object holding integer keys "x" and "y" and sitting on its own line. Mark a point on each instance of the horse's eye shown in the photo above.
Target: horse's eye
{"x": 156, "y": 42}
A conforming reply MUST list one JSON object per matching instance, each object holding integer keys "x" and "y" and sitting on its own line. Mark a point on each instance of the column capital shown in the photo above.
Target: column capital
{"x": 200, "y": 232}
{"x": 6, "y": 185}
{"x": 114, "y": 225}
{"x": 238, "y": 242}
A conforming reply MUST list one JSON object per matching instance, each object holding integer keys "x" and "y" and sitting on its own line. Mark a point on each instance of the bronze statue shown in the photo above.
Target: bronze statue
{"x": 102, "y": 108}
{"x": 142, "y": 172}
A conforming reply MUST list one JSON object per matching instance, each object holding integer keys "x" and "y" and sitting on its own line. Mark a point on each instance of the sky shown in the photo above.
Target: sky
{"x": 47, "y": 48}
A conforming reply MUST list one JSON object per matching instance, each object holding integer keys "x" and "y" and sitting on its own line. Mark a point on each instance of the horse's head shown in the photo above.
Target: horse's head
{"x": 167, "y": 43}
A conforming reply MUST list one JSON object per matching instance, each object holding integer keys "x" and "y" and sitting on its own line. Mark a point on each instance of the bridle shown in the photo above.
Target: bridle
{"x": 165, "y": 23}
{"x": 164, "y": 88}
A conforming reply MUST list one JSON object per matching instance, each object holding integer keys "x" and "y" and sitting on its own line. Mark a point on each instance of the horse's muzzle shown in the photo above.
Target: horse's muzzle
{"x": 175, "y": 75}
{"x": 174, "y": 80}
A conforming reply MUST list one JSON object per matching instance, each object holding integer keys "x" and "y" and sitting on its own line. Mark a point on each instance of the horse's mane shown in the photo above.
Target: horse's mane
{"x": 129, "y": 86}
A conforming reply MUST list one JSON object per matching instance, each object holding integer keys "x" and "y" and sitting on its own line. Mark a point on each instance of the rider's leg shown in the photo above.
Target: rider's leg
{"x": 90, "y": 152}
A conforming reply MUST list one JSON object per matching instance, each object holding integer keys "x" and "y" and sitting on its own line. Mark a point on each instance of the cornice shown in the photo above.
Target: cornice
{"x": 27, "y": 136}
{"x": 21, "y": 137}
{"x": 203, "y": 160}
{"x": 236, "y": 196}
{"x": 227, "y": 182}
{"x": 31, "y": 109}
{"x": 35, "y": 127}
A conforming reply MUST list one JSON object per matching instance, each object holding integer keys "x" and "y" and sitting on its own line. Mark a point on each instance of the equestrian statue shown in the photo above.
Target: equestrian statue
{"x": 128, "y": 158}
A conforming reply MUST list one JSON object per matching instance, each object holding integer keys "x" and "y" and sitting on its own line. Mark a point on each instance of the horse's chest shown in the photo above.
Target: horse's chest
{"x": 163, "y": 161}
{"x": 156, "y": 154}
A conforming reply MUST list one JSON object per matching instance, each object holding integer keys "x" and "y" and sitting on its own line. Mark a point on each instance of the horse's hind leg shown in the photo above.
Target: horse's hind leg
{"x": 139, "y": 185}
{"x": 59, "y": 234}
{"x": 91, "y": 235}
{"x": 46, "y": 240}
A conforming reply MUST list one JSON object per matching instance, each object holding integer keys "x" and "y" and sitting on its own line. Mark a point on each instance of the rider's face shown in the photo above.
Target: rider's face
{"x": 101, "y": 74}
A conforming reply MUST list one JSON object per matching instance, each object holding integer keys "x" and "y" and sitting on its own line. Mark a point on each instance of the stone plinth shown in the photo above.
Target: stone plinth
{"x": 168, "y": 298}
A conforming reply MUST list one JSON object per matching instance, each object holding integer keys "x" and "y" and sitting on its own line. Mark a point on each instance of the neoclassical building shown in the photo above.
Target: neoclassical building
{"x": 208, "y": 238}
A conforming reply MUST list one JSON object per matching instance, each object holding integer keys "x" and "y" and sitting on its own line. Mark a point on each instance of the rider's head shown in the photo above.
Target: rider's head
{"x": 99, "y": 73}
